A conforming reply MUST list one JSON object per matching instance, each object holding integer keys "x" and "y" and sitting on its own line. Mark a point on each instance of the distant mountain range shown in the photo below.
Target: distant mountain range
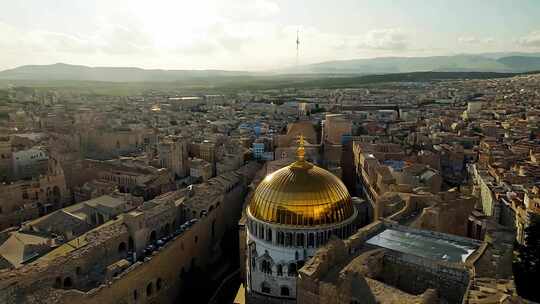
{"x": 62, "y": 71}
{"x": 492, "y": 62}
{"x": 489, "y": 62}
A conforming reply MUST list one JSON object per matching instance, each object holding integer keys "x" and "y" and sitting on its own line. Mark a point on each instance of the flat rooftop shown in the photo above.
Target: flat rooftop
{"x": 425, "y": 246}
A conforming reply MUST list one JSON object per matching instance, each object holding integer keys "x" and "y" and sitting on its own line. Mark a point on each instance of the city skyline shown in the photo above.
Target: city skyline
{"x": 257, "y": 35}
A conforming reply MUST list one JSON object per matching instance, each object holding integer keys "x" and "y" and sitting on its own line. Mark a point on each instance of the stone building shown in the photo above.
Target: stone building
{"x": 335, "y": 126}
{"x": 131, "y": 176}
{"x": 5, "y": 157}
{"x": 143, "y": 256}
{"x": 173, "y": 155}
{"x": 28, "y": 199}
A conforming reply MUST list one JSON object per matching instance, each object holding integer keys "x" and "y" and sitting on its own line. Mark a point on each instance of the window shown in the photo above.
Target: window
{"x": 300, "y": 240}
{"x": 269, "y": 235}
{"x": 149, "y": 289}
{"x": 285, "y": 291}
{"x": 58, "y": 282}
{"x": 311, "y": 240}
{"x": 131, "y": 245}
{"x": 67, "y": 282}
{"x": 122, "y": 248}
{"x": 288, "y": 239}
{"x": 292, "y": 270}
{"x": 135, "y": 295}
{"x": 279, "y": 270}
{"x": 265, "y": 287}
{"x": 158, "y": 284}
{"x": 280, "y": 238}
{"x": 266, "y": 267}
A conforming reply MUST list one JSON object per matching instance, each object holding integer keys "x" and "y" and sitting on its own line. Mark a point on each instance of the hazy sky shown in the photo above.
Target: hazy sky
{"x": 257, "y": 34}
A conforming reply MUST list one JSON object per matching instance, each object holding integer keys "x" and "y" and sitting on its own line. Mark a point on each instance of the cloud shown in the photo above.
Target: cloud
{"x": 531, "y": 40}
{"x": 384, "y": 39}
{"x": 475, "y": 40}
{"x": 120, "y": 39}
{"x": 42, "y": 41}
{"x": 110, "y": 39}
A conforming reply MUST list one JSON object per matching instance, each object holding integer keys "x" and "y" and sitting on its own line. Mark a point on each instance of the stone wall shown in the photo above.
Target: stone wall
{"x": 96, "y": 272}
{"x": 415, "y": 275}
{"x": 160, "y": 280}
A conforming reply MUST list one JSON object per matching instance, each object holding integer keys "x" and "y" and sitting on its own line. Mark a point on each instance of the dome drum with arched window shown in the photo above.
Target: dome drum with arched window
{"x": 293, "y": 211}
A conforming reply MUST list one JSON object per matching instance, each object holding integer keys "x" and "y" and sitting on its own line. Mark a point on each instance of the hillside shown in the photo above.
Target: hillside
{"x": 61, "y": 71}
{"x": 458, "y": 63}
{"x": 489, "y": 62}
{"x": 521, "y": 63}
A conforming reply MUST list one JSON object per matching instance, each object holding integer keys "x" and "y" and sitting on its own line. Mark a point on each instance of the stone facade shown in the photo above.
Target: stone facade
{"x": 97, "y": 267}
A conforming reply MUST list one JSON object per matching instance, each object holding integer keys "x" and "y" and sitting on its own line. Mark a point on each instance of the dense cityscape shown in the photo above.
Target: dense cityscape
{"x": 427, "y": 193}
{"x": 269, "y": 152}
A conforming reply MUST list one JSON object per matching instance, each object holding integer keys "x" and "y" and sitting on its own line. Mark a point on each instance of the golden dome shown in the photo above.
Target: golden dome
{"x": 301, "y": 194}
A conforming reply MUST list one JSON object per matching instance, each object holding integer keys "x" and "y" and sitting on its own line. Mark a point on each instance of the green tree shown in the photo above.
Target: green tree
{"x": 527, "y": 263}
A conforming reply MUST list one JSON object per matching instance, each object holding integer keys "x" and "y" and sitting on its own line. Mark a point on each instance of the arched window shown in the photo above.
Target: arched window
{"x": 153, "y": 236}
{"x": 68, "y": 283}
{"x": 265, "y": 287}
{"x": 288, "y": 239}
{"x": 266, "y": 267}
{"x": 269, "y": 235}
{"x": 300, "y": 239}
{"x": 279, "y": 270}
{"x": 311, "y": 240}
{"x": 261, "y": 232}
{"x": 253, "y": 264}
{"x": 149, "y": 289}
{"x": 131, "y": 244}
{"x": 167, "y": 229}
{"x": 122, "y": 248}
{"x": 292, "y": 270}
{"x": 158, "y": 284}
{"x": 280, "y": 238}
{"x": 285, "y": 291}
{"x": 58, "y": 282}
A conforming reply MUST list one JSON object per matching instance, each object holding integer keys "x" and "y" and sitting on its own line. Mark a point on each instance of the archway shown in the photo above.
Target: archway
{"x": 167, "y": 229}
{"x": 153, "y": 236}
{"x": 131, "y": 244}
{"x": 122, "y": 248}
{"x": 292, "y": 270}
{"x": 68, "y": 283}
{"x": 149, "y": 289}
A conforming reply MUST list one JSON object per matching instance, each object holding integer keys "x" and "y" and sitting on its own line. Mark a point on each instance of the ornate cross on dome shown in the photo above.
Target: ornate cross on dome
{"x": 300, "y": 151}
